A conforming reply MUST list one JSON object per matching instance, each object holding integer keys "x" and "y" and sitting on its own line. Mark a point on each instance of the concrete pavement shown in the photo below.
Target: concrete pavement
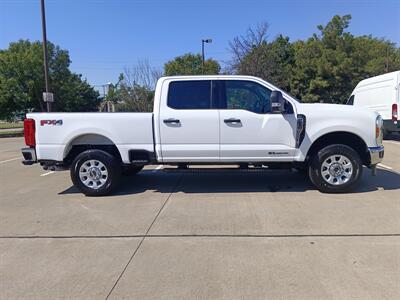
{"x": 62, "y": 268}
{"x": 226, "y": 235}
{"x": 263, "y": 268}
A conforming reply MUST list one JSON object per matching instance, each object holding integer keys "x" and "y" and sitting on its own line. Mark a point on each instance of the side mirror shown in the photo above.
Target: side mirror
{"x": 277, "y": 102}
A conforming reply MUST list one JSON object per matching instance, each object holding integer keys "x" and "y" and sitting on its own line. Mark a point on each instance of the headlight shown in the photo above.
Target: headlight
{"x": 379, "y": 130}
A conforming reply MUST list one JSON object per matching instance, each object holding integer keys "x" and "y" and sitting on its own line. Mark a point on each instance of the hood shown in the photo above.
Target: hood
{"x": 334, "y": 109}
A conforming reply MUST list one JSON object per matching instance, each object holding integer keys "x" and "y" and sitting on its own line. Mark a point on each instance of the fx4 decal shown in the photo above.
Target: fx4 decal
{"x": 51, "y": 122}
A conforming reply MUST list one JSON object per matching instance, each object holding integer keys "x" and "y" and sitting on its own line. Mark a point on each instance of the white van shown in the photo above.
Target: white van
{"x": 381, "y": 94}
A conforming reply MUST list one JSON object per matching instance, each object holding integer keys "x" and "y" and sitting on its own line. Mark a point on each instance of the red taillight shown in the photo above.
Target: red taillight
{"x": 394, "y": 113}
{"x": 29, "y": 132}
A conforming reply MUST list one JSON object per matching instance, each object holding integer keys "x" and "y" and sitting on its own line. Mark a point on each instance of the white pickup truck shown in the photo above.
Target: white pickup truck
{"x": 209, "y": 120}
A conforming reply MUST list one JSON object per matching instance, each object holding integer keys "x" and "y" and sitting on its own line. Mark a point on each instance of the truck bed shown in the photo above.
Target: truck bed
{"x": 55, "y": 132}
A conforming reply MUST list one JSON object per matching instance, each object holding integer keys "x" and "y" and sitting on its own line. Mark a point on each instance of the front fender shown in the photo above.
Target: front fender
{"x": 317, "y": 128}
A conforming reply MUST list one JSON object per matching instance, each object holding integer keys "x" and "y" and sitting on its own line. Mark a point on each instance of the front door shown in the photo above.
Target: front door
{"x": 248, "y": 131}
{"x": 189, "y": 128}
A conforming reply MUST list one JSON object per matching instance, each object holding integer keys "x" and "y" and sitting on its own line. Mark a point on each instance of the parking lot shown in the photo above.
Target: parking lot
{"x": 201, "y": 235}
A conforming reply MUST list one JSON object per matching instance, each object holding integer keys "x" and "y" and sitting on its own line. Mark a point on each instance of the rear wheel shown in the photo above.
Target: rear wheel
{"x": 335, "y": 169}
{"x": 95, "y": 172}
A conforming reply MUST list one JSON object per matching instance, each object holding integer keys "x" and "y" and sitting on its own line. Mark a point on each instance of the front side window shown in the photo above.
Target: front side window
{"x": 193, "y": 94}
{"x": 247, "y": 95}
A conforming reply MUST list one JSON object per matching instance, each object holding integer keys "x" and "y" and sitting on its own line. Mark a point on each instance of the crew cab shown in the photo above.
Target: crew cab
{"x": 210, "y": 120}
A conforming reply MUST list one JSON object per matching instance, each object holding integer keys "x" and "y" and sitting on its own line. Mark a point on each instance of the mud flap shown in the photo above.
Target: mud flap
{"x": 373, "y": 170}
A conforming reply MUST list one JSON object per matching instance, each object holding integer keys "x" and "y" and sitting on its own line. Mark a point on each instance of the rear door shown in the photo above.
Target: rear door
{"x": 189, "y": 127}
{"x": 248, "y": 131}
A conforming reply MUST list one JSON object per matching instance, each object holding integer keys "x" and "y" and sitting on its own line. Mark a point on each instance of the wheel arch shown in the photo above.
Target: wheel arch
{"x": 87, "y": 141}
{"x": 350, "y": 139}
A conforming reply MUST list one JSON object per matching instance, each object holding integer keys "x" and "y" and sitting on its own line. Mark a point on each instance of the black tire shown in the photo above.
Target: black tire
{"x": 315, "y": 169}
{"x": 108, "y": 183}
{"x": 131, "y": 170}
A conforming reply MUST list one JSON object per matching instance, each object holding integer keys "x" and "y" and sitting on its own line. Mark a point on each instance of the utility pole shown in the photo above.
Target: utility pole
{"x": 208, "y": 41}
{"x": 46, "y": 97}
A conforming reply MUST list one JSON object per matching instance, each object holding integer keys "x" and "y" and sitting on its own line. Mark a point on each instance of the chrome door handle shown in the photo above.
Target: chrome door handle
{"x": 171, "y": 121}
{"x": 232, "y": 121}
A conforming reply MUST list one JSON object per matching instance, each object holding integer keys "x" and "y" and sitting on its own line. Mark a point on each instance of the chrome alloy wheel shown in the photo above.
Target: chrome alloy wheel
{"x": 93, "y": 174}
{"x": 337, "y": 169}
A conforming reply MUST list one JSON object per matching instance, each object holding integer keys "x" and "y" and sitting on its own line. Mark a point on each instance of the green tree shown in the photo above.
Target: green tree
{"x": 135, "y": 98}
{"x": 328, "y": 66}
{"x": 191, "y": 64}
{"x": 254, "y": 55}
{"x": 270, "y": 61}
{"x": 22, "y": 80}
{"x": 136, "y": 89}
{"x": 323, "y": 68}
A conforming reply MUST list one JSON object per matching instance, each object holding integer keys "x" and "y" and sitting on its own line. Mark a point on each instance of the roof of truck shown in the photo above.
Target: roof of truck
{"x": 210, "y": 77}
{"x": 225, "y": 77}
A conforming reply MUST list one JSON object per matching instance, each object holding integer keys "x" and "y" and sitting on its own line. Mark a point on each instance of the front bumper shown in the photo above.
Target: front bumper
{"x": 376, "y": 154}
{"x": 29, "y": 156}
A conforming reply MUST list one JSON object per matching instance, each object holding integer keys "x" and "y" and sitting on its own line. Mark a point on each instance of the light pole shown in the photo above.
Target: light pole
{"x": 108, "y": 84}
{"x": 110, "y": 102}
{"x": 208, "y": 41}
{"x": 46, "y": 97}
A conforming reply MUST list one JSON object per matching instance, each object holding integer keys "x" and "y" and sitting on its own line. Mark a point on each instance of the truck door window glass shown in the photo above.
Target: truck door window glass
{"x": 247, "y": 95}
{"x": 189, "y": 94}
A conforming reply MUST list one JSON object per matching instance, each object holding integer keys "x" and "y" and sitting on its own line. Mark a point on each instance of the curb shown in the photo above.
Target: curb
{"x": 12, "y": 134}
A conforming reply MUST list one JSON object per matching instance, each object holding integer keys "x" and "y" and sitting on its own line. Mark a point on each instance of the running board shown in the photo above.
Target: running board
{"x": 218, "y": 170}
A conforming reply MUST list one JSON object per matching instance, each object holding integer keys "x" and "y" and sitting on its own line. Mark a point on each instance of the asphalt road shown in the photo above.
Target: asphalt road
{"x": 200, "y": 235}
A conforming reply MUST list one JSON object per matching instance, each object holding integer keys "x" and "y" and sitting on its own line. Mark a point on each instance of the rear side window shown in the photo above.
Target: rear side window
{"x": 351, "y": 100}
{"x": 189, "y": 94}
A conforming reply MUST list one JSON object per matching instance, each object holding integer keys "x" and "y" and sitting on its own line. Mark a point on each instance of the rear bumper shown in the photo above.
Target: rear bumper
{"x": 376, "y": 154}
{"x": 390, "y": 126}
{"x": 29, "y": 156}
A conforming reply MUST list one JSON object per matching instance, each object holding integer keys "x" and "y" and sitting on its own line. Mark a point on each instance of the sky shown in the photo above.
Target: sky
{"x": 105, "y": 36}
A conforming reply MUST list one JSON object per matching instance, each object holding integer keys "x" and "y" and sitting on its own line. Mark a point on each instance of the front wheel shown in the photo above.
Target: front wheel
{"x": 335, "y": 169}
{"x": 95, "y": 172}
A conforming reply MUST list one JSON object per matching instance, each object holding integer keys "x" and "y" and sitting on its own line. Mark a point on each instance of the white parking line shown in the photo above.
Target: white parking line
{"x": 85, "y": 207}
{"x": 12, "y": 159}
{"x": 385, "y": 166}
{"x": 48, "y": 173}
{"x": 157, "y": 168}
